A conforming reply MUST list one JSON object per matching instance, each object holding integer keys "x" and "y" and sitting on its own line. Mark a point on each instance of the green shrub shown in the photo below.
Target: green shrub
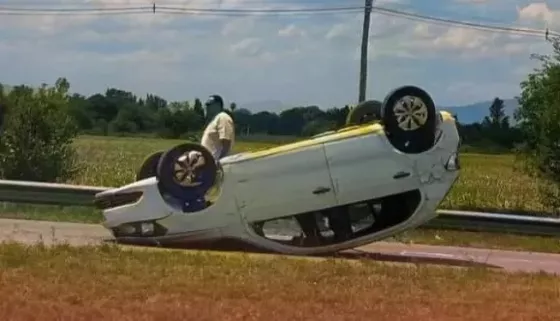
{"x": 539, "y": 122}
{"x": 36, "y": 138}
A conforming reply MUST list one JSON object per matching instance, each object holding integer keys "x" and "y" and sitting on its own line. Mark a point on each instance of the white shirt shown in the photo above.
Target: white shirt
{"x": 220, "y": 127}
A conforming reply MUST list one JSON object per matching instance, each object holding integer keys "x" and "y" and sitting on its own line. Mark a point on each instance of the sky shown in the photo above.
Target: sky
{"x": 296, "y": 59}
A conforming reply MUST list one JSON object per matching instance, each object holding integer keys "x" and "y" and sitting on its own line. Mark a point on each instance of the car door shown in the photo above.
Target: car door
{"x": 368, "y": 167}
{"x": 284, "y": 184}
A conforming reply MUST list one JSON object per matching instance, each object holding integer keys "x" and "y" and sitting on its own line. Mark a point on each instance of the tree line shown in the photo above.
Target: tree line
{"x": 49, "y": 115}
{"x": 120, "y": 112}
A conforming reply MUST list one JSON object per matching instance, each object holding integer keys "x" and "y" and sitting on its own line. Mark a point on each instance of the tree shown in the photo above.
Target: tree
{"x": 495, "y": 126}
{"x": 198, "y": 109}
{"x": 497, "y": 118}
{"x": 242, "y": 118}
{"x": 497, "y": 114}
{"x": 539, "y": 119}
{"x": 179, "y": 119}
{"x": 155, "y": 102}
{"x": 37, "y": 135}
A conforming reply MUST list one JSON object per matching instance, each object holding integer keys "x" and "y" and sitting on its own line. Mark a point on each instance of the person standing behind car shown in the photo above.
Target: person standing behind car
{"x": 219, "y": 134}
{"x": 218, "y": 138}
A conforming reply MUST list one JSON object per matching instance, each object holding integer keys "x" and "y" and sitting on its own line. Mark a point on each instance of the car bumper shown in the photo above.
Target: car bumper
{"x": 139, "y": 201}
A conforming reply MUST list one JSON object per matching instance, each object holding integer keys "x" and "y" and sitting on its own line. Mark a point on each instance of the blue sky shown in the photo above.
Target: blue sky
{"x": 295, "y": 59}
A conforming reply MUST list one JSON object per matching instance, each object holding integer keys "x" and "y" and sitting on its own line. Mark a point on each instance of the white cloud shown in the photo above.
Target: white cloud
{"x": 394, "y": 37}
{"x": 540, "y": 12}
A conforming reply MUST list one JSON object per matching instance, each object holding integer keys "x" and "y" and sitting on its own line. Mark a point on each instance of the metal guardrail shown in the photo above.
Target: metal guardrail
{"x": 65, "y": 194}
{"x": 495, "y": 223}
{"x": 47, "y": 193}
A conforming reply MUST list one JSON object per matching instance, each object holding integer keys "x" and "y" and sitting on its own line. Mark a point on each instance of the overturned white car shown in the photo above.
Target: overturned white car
{"x": 335, "y": 191}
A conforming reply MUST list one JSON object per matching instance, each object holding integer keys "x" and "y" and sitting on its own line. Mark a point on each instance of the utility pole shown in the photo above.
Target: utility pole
{"x": 364, "y": 53}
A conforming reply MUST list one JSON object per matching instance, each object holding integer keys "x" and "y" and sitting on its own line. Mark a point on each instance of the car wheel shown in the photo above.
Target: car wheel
{"x": 187, "y": 172}
{"x": 364, "y": 112}
{"x": 409, "y": 118}
{"x": 149, "y": 166}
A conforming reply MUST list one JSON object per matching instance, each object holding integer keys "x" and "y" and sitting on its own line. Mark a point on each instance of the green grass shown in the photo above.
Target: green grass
{"x": 493, "y": 183}
{"x": 76, "y": 214}
{"x": 113, "y": 161}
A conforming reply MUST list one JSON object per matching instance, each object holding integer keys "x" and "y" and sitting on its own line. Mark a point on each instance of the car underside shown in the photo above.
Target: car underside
{"x": 340, "y": 224}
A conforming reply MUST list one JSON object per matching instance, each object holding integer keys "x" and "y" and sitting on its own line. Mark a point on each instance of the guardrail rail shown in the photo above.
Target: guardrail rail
{"x": 65, "y": 194}
{"x": 495, "y": 223}
{"x": 47, "y": 193}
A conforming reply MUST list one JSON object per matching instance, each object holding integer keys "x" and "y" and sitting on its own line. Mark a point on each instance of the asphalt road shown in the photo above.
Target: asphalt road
{"x": 29, "y": 232}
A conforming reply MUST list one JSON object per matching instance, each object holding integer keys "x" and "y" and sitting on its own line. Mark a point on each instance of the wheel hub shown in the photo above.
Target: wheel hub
{"x": 411, "y": 113}
{"x": 187, "y": 169}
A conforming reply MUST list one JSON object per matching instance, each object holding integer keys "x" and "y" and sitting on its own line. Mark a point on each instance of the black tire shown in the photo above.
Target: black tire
{"x": 364, "y": 112}
{"x": 165, "y": 172}
{"x": 149, "y": 166}
{"x": 412, "y": 140}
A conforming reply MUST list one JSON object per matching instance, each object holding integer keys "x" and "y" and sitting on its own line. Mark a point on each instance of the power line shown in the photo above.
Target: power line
{"x": 244, "y": 14}
{"x": 260, "y": 12}
{"x": 57, "y": 10}
{"x": 20, "y": 3}
{"x": 181, "y": 13}
{"x": 19, "y": 11}
{"x": 215, "y": 5}
{"x": 154, "y": 8}
{"x": 471, "y": 25}
{"x": 180, "y": 9}
{"x": 313, "y": 10}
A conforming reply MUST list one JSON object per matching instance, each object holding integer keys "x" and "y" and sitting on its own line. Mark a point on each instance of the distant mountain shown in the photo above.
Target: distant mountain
{"x": 476, "y": 112}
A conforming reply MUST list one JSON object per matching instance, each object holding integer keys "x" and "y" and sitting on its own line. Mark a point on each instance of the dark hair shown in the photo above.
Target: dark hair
{"x": 215, "y": 99}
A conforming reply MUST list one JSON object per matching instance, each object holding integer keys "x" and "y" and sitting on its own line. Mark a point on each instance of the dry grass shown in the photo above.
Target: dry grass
{"x": 105, "y": 283}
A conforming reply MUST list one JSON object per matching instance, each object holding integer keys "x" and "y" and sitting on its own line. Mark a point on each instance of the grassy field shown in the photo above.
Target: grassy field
{"x": 487, "y": 182}
{"x": 40, "y": 283}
